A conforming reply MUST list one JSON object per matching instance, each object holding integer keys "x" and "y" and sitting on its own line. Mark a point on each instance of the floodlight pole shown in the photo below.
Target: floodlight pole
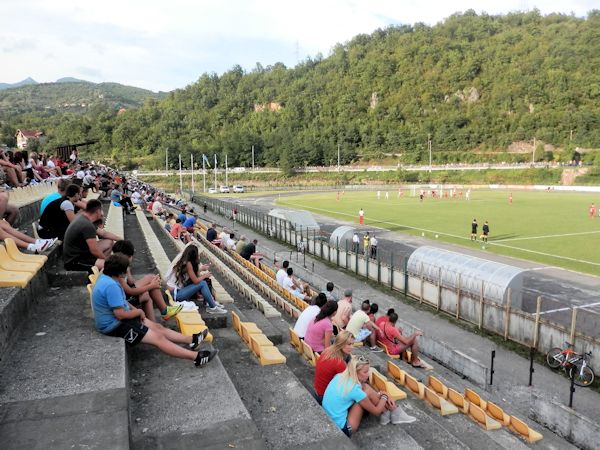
{"x": 167, "y": 160}
{"x": 429, "y": 147}
{"x": 533, "y": 153}
{"x": 253, "y": 158}
{"x": 338, "y": 168}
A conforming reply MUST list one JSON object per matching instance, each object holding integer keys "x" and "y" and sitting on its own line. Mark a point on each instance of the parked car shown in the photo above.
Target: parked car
{"x": 238, "y": 189}
{"x": 224, "y": 189}
{"x": 212, "y": 191}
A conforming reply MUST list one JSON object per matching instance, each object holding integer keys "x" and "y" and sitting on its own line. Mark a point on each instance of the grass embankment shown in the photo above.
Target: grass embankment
{"x": 266, "y": 180}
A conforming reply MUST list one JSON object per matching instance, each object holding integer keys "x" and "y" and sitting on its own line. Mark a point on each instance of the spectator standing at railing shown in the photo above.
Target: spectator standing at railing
{"x": 374, "y": 247}
{"x": 355, "y": 242}
{"x": 366, "y": 241}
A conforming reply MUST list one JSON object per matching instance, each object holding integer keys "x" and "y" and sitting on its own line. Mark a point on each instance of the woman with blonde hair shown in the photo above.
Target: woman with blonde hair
{"x": 348, "y": 396}
{"x": 331, "y": 362}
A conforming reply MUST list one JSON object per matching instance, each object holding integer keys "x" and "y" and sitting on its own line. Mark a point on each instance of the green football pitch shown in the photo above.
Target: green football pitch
{"x": 551, "y": 228}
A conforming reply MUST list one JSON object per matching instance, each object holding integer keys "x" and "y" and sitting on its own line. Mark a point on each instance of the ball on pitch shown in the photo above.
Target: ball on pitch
{"x": 436, "y": 236}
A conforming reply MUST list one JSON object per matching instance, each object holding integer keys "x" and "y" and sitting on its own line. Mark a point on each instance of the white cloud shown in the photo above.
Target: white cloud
{"x": 161, "y": 44}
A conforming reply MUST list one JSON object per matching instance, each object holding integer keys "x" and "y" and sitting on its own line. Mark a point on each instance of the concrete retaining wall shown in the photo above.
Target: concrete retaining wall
{"x": 566, "y": 422}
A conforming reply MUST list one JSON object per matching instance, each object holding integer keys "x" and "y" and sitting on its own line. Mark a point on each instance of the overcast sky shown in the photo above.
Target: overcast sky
{"x": 168, "y": 44}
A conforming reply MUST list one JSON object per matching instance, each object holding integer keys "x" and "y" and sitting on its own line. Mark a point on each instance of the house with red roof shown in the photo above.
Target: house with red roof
{"x": 23, "y": 136}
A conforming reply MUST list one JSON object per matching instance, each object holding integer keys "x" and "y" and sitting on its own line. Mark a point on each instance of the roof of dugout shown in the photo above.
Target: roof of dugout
{"x": 299, "y": 220}
{"x": 435, "y": 263}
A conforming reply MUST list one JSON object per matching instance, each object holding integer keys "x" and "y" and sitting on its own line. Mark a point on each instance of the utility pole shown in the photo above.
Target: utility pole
{"x": 215, "y": 171}
{"x": 253, "y": 157}
{"x": 203, "y": 173}
{"x": 167, "y": 160}
{"x": 338, "y": 157}
{"x": 180, "y": 176}
{"x": 533, "y": 153}
{"x": 226, "y": 179}
{"x": 571, "y": 136}
{"x": 192, "y": 163}
{"x": 429, "y": 147}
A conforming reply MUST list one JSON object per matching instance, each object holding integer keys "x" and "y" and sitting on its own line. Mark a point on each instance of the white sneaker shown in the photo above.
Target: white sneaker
{"x": 215, "y": 310}
{"x": 385, "y": 417}
{"x": 398, "y": 416}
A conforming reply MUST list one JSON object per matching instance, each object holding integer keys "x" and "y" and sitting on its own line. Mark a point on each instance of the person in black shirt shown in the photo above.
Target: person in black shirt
{"x": 249, "y": 253}
{"x": 486, "y": 231}
{"x": 59, "y": 213}
{"x": 474, "y": 230}
{"x": 211, "y": 233}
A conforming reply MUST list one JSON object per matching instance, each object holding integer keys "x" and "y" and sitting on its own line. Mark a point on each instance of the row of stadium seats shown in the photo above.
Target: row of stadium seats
{"x": 29, "y": 194}
{"x": 449, "y": 401}
{"x": 261, "y": 346}
{"x": 16, "y": 268}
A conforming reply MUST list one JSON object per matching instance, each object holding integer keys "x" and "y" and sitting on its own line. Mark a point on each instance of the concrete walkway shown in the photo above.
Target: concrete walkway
{"x": 511, "y": 370}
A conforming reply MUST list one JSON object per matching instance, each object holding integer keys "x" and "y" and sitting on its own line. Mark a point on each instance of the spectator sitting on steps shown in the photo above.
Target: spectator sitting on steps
{"x": 348, "y": 396}
{"x": 308, "y": 315}
{"x": 211, "y": 233}
{"x": 145, "y": 292}
{"x": 249, "y": 253}
{"x": 281, "y": 274}
{"x": 396, "y": 343}
{"x": 115, "y": 317}
{"x": 81, "y": 250}
{"x": 329, "y": 291}
{"x": 331, "y": 362}
{"x": 344, "y": 312}
{"x": 185, "y": 281}
{"x": 320, "y": 330}
{"x": 362, "y": 328}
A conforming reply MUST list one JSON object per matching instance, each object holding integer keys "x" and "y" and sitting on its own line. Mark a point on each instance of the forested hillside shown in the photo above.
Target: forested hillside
{"x": 474, "y": 83}
{"x": 70, "y": 95}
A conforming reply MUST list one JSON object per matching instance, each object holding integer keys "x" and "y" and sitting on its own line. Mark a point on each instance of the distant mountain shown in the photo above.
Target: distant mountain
{"x": 70, "y": 95}
{"x": 71, "y": 80}
{"x": 24, "y": 82}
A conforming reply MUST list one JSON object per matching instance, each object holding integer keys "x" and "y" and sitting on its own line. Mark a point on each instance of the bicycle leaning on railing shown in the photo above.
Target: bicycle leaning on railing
{"x": 577, "y": 365}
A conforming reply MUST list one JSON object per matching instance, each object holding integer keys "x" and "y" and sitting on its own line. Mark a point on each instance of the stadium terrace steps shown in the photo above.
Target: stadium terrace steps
{"x": 63, "y": 384}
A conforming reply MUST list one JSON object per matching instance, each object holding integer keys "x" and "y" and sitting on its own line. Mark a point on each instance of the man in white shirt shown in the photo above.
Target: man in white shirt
{"x": 157, "y": 208}
{"x": 290, "y": 285}
{"x": 373, "y": 247}
{"x": 308, "y": 315}
{"x": 355, "y": 242}
{"x": 230, "y": 242}
{"x": 282, "y": 273}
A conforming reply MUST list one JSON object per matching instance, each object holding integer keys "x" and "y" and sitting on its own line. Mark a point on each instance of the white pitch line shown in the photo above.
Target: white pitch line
{"x": 568, "y": 308}
{"x": 547, "y": 236}
{"x": 496, "y": 243}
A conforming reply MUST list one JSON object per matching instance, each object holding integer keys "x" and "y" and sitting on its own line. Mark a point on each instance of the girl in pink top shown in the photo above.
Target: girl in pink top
{"x": 319, "y": 332}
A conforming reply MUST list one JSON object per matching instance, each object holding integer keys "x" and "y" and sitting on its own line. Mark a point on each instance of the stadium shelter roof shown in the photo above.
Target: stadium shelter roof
{"x": 449, "y": 267}
{"x": 298, "y": 219}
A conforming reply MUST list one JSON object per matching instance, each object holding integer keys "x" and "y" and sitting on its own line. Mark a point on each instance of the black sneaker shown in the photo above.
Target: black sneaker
{"x": 205, "y": 357}
{"x": 197, "y": 339}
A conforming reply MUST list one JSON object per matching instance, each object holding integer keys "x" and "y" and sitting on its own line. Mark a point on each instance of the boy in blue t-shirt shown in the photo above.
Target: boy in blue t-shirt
{"x": 116, "y": 317}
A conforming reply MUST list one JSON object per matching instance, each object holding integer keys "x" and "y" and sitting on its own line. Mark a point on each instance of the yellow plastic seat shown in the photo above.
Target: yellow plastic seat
{"x": 15, "y": 254}
{"x": 257, "y": 341}
{"x": 190, "y": 318}
{"x": 522, "y": 429}
{"x": 382, "y": 345}
{"x": 437, "y": 401}
{"x": 486, "y": 422}
{"x": 396, "y": 373}
{"x": 295, "y": 340}
{"x": 7, "y": 263}
{"x": 381, "y": 383}
{"x": 270, "y": 355}
{"x": 497, "y": 413}
{"x": 417, "y": 387}
{"x": 437, "y": 386}
{"x": 474, "y": 398}
{"x": 249, "y": 328}
{"x": 9, "y": 278}
{"x": 458, "y": 400}
{"x": 309, "y": 354}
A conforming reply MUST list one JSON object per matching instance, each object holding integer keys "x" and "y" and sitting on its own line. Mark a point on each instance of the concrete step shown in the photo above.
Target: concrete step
{"x": 285, "y": 413}
{"x": 63, "y": 383}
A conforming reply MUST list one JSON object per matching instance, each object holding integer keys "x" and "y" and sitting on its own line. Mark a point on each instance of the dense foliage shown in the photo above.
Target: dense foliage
{"x": 473, "y": 83}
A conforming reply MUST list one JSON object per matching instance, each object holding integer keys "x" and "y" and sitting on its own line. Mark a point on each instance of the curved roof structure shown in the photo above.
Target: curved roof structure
{"x": 435, "y": 263}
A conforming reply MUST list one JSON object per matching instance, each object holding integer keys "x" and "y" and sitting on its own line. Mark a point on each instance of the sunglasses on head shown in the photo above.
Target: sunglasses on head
{"x": 362, "y": 359}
